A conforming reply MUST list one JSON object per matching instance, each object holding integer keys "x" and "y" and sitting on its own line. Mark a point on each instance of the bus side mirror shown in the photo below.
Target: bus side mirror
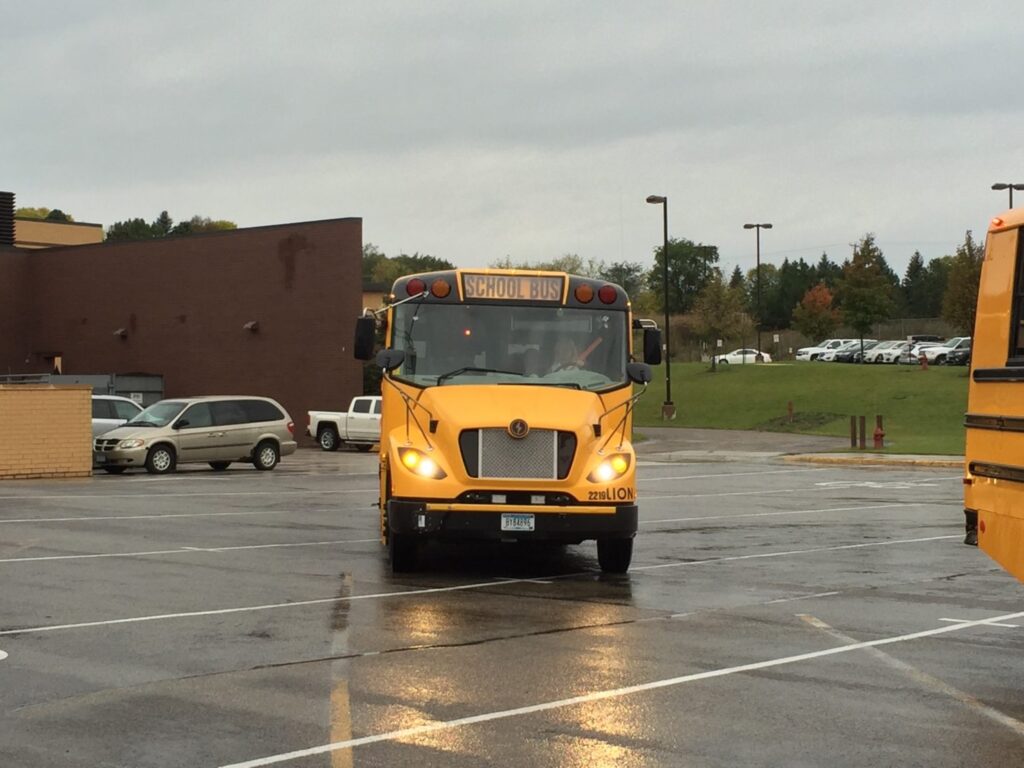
{"x": 389, "y": 359}
{"x": 639, "y": 373}
{"x": 365, "y": 331}
{"x": 652, "y": 346}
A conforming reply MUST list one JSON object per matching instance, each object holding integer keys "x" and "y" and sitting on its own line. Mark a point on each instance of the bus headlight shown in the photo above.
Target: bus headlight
{"x": 610, "y": 469}
{"x": 418, "y": 462}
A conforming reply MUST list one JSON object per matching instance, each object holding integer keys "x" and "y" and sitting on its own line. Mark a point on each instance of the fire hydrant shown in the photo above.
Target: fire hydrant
{"x": 879, "y": 437}
{"x": 924, "y": 362}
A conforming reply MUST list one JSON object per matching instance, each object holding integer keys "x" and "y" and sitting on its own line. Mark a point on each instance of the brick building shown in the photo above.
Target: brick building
{"x": 264, "y": 310}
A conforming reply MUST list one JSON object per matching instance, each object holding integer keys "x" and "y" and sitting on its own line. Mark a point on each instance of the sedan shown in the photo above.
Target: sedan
{"x": 912, "y": 354}
{"x": 740, "y": 356}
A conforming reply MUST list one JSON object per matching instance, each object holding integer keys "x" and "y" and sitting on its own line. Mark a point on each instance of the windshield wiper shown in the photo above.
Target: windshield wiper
{"x": 445, "y": 376}
{"x": 142, "y": 423}
{"x": 569, "y": 384}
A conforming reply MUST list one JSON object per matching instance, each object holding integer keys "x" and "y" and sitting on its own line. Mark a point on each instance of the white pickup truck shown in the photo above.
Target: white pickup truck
{"x": 359, "y": 426}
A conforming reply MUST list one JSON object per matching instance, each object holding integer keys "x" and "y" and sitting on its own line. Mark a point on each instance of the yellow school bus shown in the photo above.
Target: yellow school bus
{"x": 994, "y": 471}
{"x": 507, "y": 411}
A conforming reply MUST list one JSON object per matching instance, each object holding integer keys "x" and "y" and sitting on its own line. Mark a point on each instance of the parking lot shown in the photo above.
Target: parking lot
{"x": 775, "y": 615}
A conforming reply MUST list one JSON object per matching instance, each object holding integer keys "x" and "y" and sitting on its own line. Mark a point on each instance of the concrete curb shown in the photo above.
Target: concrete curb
{"x": 879, "y": 460}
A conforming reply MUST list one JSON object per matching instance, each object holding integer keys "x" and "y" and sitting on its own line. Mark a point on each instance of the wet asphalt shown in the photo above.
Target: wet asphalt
{"x": 775, "y": 615}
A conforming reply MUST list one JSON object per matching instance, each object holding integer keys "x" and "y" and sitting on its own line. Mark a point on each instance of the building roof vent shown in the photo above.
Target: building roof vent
{"x": 7, "y": 218}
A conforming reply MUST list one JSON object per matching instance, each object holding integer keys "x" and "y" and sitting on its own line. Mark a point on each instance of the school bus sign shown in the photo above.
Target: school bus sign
{"x": 513, "y": 287}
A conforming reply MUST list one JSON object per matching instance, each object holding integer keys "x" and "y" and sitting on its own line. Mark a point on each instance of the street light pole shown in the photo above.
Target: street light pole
{"x": 1000, "y": 187}
{"x": 668, "y": 408}
{"x": 758, "y": 227}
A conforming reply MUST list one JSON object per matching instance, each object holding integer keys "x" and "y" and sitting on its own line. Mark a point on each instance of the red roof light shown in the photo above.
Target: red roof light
{"x": 607, "y": 294}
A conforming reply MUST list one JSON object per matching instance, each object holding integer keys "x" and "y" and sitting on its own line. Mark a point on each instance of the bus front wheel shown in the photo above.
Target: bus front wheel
{"x": 614, "y": 555}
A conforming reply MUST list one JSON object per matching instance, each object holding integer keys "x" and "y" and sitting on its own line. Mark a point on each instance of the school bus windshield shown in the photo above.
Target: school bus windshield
{"x": 450, "y": 344}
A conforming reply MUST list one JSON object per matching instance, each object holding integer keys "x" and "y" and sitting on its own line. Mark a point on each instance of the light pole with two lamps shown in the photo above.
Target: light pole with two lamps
{"x": 758, "y": 227}
{"x": 668, "y": 408}
{"x": 1000, "y": 187}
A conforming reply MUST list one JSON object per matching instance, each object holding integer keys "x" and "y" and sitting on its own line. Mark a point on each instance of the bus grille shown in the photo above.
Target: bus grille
{"x": 543, "y": 454}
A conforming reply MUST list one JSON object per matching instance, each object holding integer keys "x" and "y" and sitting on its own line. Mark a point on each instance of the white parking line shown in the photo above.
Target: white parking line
{"x": 89, "y": 518}
{"x": 460, "y": 588}
{"x": 988, "y": 623}
{"x": 737, "y": 474}
{"x": 268, "y": 607}
{"x": 814, "y": 550}
{"x": 164, "y": 495}
{"x": 613, "y": 693}
{"x": 927, "y": 680}
{"x": 787, "y": 512}
{"x": 180, "y": 550}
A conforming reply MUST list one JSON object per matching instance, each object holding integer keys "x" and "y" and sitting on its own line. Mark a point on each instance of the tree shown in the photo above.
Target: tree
{"x": 690, "y": 267}
{"x": 388, "y": 270}
{"x": 769, "y": 288}
{"x": 827, "y": 272}
{"x": 814, "y": 316}
{"x": 737, "y": 280}
{"x": 936, "y": 279}
{"x": 164, "y": 226}
{"x": 915, "y": 286}
{"x": 628, "y": 274}
{"x": 718, "y": 313}
{"x": 794, "y": 280}
{"x": 47, "y": 214}
{"x": 569, "y": 262}
{"x": 960, "y": 301}
{"x": 865, "y": 291}
{"x": 372, "y": 257}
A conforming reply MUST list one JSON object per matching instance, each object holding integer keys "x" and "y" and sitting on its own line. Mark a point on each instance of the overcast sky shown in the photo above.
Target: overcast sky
{"x": 476, "y": 130}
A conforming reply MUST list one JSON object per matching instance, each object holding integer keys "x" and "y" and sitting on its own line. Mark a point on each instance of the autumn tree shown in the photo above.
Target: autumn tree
{"x": 960, "y": 301}
{"x": 814, "y": 316}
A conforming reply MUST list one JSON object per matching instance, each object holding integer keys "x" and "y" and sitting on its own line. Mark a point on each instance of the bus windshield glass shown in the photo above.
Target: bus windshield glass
{"x": 452, "y": 344}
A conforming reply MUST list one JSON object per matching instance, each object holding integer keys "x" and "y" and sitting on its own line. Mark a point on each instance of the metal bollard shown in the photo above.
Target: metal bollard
{"x": 853, "y": 431}
{"x": 863, "y": 428}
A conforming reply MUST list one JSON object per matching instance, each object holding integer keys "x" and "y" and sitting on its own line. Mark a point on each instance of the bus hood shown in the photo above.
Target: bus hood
{"x": 458, "y": 407}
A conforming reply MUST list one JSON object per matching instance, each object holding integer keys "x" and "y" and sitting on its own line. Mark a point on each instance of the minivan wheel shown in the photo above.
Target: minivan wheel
{"x": 328, "y": 438}
{"x": 266, "y": 456}
{"x": 220, "y": 466}
{"x": 160, "y": 460}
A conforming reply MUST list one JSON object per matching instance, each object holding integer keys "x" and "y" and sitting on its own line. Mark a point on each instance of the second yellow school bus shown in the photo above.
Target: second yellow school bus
{"x": 507, "y": 411}
{"x": 994, "y": 472}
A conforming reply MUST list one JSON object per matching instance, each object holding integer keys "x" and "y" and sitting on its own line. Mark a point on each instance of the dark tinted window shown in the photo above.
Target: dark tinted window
{"x": 227, "y": 412}
{"x": 361, "y": 406}
{"x": 101, "y": 410}
{"x": 261, "y": 410}
{"x": 198, "y": 415}
{"x": 376, "y": 406}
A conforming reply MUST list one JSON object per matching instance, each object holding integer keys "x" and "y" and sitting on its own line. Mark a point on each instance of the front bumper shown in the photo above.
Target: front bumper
{"x": 564, "y": 524}
{"x": 119, "y": 457}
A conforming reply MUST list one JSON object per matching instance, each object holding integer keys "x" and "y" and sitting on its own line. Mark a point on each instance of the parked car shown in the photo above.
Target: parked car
{"x": 217, "y": 430}
{"x": 853, "y": 352}
{"x": 359, "y": 426}
{"x": 741, "y": 356}
{"x": 959, "y": 356}
{"x": 912, "y": 354}
{"x": 884, "y": 351}
{"x": 937, "y": 354}
{"x": 849, "y": 346}
{"x": 111, "y": 411}
{"x": 813, "y": 353}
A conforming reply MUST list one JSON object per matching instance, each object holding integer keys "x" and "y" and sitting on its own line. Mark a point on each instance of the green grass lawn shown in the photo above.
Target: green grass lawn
{"x": 923, "y": 410}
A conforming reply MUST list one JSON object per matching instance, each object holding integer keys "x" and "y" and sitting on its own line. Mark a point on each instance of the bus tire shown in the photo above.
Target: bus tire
{"x": 614, "y": 555}
{"x": 401, "y": 552}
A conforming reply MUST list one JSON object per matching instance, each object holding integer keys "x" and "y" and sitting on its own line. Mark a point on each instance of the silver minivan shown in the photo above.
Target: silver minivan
{"x": 215, "y": 430}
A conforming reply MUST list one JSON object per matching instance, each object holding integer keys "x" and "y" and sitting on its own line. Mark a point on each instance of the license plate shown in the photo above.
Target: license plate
{"x": 99, "y": 458}
{"x": 511, "y": 521}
